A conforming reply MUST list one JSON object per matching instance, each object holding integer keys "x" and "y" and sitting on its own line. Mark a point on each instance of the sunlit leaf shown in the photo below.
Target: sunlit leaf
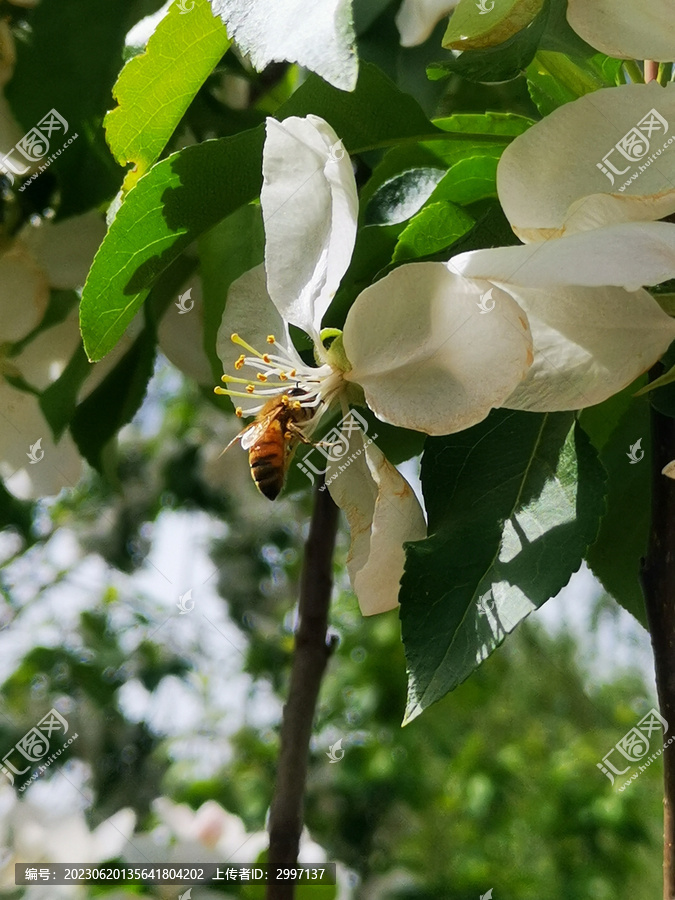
{"x": 155, "y": 88}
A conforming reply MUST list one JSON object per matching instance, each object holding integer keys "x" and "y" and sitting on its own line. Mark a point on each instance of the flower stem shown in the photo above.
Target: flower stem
{"x": 310, "y": 659}
{"x": 633, "y": 70}
{"x": 658, "y": 585}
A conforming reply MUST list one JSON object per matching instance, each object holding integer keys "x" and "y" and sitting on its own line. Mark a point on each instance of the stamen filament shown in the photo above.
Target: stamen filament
{"x": 234, "y": 380}
{"x": 242, "y": 343}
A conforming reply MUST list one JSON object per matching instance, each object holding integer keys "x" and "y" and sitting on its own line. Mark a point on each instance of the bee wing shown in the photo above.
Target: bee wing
{"x": 242, "y": 437}
{"x": 249, "y": 436}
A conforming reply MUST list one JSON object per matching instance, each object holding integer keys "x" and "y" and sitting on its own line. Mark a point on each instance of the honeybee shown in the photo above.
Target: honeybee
{"x": 272, "y": 439}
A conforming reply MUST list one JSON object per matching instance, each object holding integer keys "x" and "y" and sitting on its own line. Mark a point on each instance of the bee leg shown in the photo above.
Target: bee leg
{"x": 295, "y": 432}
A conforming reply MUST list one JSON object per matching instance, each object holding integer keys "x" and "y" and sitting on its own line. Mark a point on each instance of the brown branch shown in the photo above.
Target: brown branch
{"x": 658, "y": 584}
{"x": 309, "y": 664}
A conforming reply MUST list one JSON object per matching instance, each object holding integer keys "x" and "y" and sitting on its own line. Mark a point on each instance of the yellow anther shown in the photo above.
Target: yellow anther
{"x": 250, "y": 389}
{"x": 239, "y": 412}
{"x": 271, "y": 339}
{"x": 283, "y": 376}
{"x": 219, "y": 390}
{"x": 266, "y": 358}
{"x": 261, "y": 377}
{"x": 240, "y": 362}
{"x": 297, "y": 404}
{"x": 291, "y": 373}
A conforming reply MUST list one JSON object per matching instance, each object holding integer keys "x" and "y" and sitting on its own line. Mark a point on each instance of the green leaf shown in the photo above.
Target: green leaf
{"x": 59, "y": 400}
{"x": 375, "y": 114}
{"x": 227, "y": 251}
{"x": 68, "y": 60}
{"x": 495, "y": 63}
{"x": 667, "y": 378}
{"x": 513, "y": 504}
{"x": 662, "y": 390}
{"x": 476, "y": 25}
{"x": 155, "y": 88}
{"x": 115, "y": 401}
{"x": 436, "y": 227}
{"x": 554, "y": 79}
{"x": 178, "y": 200}
{"x": 16, "y": 514}
{"x": 497, "y": 129}
{"x": 402, "y": 196}
{"x": 496, "y": 124}
{"x": 614, "y": 557}
{"x": 469, "y": 180}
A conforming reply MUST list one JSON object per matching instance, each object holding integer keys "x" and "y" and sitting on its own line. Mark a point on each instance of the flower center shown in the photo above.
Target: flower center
{"x": 281, "y": 373}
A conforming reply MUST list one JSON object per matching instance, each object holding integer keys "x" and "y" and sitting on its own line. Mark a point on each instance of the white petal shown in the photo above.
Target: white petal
{"x": 250, "y": 313}
{"x": 549, "y": 179}
{"x": 416, "y": 19}
{"x": 383, "y": 513}
{"x": 318, "y": 36}
{"x": 589, "y": 343}
{"x": 112, "y": 835}
{"x": 426, "y": 355}
{"x": 310, "y": 208}
{"x": 24, "y": 293}
{"x": 43, "y": 360}
{"x": 65, "y": 250}
{"x": 629, "y": 29}
{"x": 181, "y": 336}
{"x": 628, "y": 255}
{"x": 22, "y": 425}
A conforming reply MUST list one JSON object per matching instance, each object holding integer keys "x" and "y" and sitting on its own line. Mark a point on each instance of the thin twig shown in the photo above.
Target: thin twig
{"x": 309, "y": 664}
{"x": 658, "y": 584}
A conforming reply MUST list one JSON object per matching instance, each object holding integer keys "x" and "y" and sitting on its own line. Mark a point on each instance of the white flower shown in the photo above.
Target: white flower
{"x": 590, "y": 245}
{"x": 35, "y": 833}
{"x": 184, "y": 834}
{"x": 629, "y": 29}
{"x": 49, "y": 256}
{"x": 568, "y": 330}
{"x": 416, "y": 19}
{"x": 414, "y": 344}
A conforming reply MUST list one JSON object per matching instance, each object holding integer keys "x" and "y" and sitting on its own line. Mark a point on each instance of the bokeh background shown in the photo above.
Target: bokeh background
{"x": 152, "y": 602}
